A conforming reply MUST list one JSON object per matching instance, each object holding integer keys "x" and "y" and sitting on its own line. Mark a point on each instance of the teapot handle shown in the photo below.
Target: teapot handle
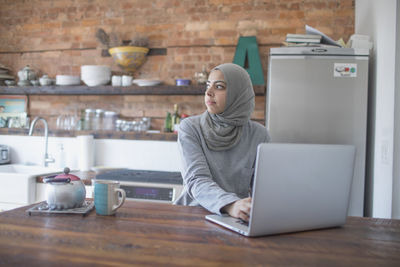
{"x": 54, "y": 180}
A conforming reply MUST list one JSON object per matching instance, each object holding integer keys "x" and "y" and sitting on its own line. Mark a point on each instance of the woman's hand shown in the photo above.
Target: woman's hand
{"x": 239, "y": 209}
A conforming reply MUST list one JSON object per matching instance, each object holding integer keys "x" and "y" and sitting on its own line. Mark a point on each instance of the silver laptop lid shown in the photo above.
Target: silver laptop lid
{"x": 300, "y": 187}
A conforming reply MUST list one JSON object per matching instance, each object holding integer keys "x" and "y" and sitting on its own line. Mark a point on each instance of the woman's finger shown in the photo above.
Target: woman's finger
{"x": 244, "y": 216}
{"x": 246, "y": 207}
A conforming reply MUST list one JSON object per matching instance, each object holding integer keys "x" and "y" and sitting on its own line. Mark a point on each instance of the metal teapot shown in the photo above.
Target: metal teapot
{"x": 64, "y": 191}
{"x": 26, "y": 74}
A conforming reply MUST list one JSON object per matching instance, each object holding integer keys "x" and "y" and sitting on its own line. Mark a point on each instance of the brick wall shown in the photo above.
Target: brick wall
{"x": 58, "y": 36}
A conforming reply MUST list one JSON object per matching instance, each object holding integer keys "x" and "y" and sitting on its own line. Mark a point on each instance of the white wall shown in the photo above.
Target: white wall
{"x": 133, "y": 154}
{"x": 378, "y": 20}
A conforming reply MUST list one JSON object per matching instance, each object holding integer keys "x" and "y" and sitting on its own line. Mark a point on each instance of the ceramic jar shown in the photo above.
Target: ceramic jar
{"x": 45, "y": 80}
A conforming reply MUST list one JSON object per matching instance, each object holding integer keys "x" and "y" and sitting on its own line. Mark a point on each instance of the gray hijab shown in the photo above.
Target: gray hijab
{"x": 223, "y": 131}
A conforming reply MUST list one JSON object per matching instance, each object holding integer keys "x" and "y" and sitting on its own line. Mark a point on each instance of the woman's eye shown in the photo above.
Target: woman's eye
{"x": 216, "y": 86}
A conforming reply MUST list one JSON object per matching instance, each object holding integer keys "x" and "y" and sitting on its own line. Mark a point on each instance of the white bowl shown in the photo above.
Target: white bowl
{"x": 91, "y": 70}
{"x": 67, "y": 80}
{"x": 95, "y": 69}
{"x": 94, "y": 75}
{"x": 95, "y": 82}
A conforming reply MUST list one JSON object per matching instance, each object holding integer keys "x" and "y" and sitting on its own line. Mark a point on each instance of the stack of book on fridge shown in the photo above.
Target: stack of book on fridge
{"x": 302, "y": 39}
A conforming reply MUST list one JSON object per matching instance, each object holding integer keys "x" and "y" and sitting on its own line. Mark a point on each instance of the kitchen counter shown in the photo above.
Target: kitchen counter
{"x": 143, "y": 233}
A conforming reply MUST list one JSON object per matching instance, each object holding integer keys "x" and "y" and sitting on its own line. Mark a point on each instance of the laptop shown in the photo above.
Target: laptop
{"x": 297, "y": 187}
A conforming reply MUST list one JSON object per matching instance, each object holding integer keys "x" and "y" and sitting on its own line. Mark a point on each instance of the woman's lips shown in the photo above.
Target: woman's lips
{"x": 209, "y": 102}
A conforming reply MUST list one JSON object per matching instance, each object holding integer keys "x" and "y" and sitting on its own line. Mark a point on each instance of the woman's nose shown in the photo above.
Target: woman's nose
{"x": 209, "y": 90}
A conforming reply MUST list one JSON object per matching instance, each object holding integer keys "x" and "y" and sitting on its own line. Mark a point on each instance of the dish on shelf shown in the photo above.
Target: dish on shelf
{"x": 4, "y": 76}
{"x": 7, "y": 79}
{"x": 10, "y": 82}
{"x": 67, "y": 80}
{"x": 4, "y": 68}
{"x": 146, "y": 82}
{"x": 94, "y": 75}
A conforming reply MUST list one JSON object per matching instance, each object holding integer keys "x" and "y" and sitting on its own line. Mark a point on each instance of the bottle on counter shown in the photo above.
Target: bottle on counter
{"x": 175, "y": 119}
{"x": 168, "y": 123}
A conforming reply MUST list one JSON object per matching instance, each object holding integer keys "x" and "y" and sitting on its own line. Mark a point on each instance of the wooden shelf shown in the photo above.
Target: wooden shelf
{"x": 96, "y": 134}
{"x": 111, "y": 90}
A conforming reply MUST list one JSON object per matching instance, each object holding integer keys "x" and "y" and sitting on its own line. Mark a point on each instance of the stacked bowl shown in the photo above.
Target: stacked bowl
{"x": 67, "y": 80}
{"x": 95, "y": 75}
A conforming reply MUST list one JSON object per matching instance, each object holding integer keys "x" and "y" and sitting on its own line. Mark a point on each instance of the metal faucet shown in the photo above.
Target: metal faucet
{"x": 47, "y": 158}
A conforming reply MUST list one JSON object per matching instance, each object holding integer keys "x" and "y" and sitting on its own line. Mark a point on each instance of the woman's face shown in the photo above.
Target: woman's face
{"x": 215, "y": 96}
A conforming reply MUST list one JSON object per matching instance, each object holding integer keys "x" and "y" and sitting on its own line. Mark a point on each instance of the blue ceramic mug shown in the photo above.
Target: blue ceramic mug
{"x": 106, "y": 199}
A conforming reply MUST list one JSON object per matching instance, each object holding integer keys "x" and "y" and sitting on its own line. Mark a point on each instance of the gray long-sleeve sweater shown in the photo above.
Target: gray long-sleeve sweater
{"x": 214, "y": 179}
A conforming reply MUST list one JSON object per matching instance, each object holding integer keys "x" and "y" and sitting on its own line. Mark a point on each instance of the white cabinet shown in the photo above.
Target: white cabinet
{"x": 16, "y": 191}
{"x": 18, "y": 184}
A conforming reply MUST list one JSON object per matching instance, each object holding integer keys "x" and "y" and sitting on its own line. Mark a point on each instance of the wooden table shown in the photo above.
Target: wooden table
{"x": 143, "y": 233}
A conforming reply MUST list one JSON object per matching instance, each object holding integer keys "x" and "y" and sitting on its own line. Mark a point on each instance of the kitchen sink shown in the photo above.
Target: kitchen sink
{"x": 18, "y": 183}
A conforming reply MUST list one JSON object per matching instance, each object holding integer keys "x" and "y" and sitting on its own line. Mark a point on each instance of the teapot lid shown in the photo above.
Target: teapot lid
{"x": 67, "y": 175}
{"x": 27, "y": 67}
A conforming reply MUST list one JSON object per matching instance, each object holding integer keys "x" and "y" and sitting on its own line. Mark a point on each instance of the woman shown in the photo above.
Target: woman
{"x": 219, "y": 147}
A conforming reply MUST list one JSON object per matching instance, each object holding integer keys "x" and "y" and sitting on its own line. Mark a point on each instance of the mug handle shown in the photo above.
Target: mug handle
{"x": 123, "y": 194}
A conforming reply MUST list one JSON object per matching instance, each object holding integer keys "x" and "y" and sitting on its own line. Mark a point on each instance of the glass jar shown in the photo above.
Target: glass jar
{"x": 89, "y": 119}
{"x": 146, "y": 123}
{"x": 109, "y": 120}
{"x": 119, "y": 124}
{"x": 98, "y": 119}
{"x": 133, "y": 126}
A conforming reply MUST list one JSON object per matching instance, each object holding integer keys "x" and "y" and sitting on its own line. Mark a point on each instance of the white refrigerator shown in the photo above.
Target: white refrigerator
{"x": 319, "y": 95}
